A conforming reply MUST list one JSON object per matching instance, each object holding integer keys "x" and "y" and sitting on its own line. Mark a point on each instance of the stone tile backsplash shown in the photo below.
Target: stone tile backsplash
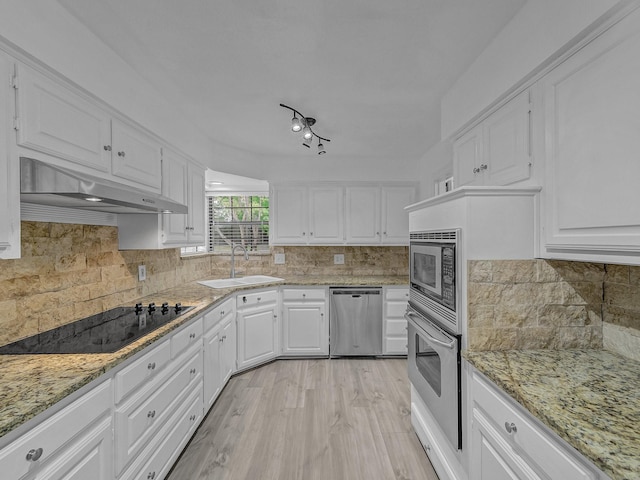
{"x": 69, "y": 271}
{"x": 520, "y": 304}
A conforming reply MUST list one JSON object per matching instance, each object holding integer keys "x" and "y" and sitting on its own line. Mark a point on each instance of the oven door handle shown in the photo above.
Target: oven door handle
{"x": 410, "y": 315}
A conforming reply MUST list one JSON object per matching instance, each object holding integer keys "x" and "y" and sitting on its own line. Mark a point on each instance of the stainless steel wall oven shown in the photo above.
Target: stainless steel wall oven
{"x": 434, "y": 331}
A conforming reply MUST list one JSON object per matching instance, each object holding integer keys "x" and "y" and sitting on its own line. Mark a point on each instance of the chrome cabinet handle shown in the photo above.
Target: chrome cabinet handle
{"x": 192, "y": 371}
{"x": 151, "y": 366}
{"x": 121, "y": 154}
{"x": 510, "y": 427}
{"x": 151, "y": 475}
{"x": 151, "y": 414}
{"x": 192, "y": 335}
{"x": 34, "y": 454}
{"x": 107, "y": 148}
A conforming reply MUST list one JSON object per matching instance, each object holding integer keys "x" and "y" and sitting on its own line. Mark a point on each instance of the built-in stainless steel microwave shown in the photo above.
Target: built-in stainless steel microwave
{"x": 432, "y": 272}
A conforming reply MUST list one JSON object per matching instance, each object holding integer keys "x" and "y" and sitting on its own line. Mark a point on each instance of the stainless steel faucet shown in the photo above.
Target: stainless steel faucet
{"x": 233, "y": 257}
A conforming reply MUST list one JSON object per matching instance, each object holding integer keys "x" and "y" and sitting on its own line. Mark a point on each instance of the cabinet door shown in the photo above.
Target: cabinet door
{"x": 506, "y": 143}
{"x": 57, "y": 121}
{"x": 197, "y": 229}
{"x": 363, "y": 215}
{"x": 326, "y": 218}
{"x": 305, "y": 329}
{"x": 289, "y": 215}
{"x": 395, "y": 220}
{"x": 228, "y": 351}
{"x": 90, "y": 457}
{"x": 467, "y": 158}
{"x": 492, "y": 458}
{"x": 175, "y": 185}
{"x": 257, "y": 335}
{"x": 212, "y": 367}
{"x": 592, "y": 143}
{"x": 9, "y": 168}
{"x": 136, "y": 156}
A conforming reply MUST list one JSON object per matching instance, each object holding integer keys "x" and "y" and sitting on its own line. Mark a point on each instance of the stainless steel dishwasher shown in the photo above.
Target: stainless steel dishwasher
{"x": 355, "y": 316}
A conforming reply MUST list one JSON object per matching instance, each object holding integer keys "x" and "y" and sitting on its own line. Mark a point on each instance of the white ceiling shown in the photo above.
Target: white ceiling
{"x": 371, "y": 72}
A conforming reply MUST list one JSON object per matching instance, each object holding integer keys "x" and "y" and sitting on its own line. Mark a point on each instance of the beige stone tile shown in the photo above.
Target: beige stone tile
{"x": 19, "y": 287}
{"x": 480, "y": 316}
{"x": 577, "y": 337}
{"x": 482, "y": 339}
{"x": 480, "y": 271}
{"x": 546, "y": 271}
{"x": 71, "y": 262}
{"x": 625, "y": 296}
{"x": 34, "y": 266}
{"x": 568, "y": 315}
{"x": 515, "y": 316}
{"x": 34, "y": 229}
{"x": 620, "y": 316}
{"x": 112, "y": 272}
{"x": 634, "y": 276}
{"x": 579, "y": 271}
{"x": 55, "y": 317}
{"x": 583, "y": 293}
{"x": 617, "y": 274}
{"x": 514, "y": 271}
{"x": 485, "y": 293}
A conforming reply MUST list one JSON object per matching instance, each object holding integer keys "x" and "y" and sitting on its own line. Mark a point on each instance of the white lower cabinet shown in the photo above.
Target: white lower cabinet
{"x": 395, "y": 325}
{"x": 219, "y": 349}
{"x": 506, "y": 443}
{"x": 258, "y": 328}
{"x": 71, "y": 441}
{"x": 305, "y": 326}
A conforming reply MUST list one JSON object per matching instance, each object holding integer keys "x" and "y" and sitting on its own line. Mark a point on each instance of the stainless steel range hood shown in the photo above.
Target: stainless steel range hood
{"x": 60, "y": 187}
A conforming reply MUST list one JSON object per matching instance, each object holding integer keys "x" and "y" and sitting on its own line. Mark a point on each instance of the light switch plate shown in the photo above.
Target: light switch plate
{"x": 142, "y": 273}
{"x": 279, "y": 259}
{"x": 338, "y": 259}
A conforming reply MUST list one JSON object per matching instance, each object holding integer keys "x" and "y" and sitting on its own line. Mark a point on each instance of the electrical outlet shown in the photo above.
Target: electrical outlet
{"x": 279, "y": 259}
{"x": 338, "y": 259}
{"x": 142, "y": 273}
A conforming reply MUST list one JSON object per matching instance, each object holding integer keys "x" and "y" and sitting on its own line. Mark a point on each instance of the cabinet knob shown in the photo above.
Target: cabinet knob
{"x": 303, "y": 234}
{"x": 259, "y": 298}
{"x": 221, "y": 313}
{"x": 192, "y": 335}
{"x": 377, "y": 233}
{"x": 121, "y": 154}
{"x": 221, "y": 339}
{"x": 304, "y": 295}
{"x": 483, "y": 167}
{"x": 151, "y": 475}
{"x": 107, "y": 148}
{"x": 510, "y": 427}
{"x": 151, "y": 414}
{"x": 311, "y": 233}
{"x": 151, "y": 366}
{"x": 476, "y": 170}
{"x": 192, "y": 418}
{"x": 34, "y": 454}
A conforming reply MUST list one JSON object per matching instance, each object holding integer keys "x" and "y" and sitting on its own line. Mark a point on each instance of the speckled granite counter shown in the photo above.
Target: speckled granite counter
{"x": 590, "y": 398}
{"x": 30, "y": 384}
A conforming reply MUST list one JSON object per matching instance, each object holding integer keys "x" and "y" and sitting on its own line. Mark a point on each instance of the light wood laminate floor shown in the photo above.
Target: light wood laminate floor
{"x": 310, "y": 419}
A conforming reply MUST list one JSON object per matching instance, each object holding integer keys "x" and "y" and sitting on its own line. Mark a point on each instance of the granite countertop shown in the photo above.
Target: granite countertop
{"x": 590, "y": 398}
{"x": 30, "y": 384}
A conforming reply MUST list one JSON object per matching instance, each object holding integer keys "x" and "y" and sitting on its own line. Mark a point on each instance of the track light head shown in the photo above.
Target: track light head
{"x": 296, "y": 124}
{"x": 301, "y": 123}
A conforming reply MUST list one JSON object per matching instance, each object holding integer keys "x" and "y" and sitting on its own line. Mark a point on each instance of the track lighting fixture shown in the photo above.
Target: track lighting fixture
{"x": 304, "y": 124}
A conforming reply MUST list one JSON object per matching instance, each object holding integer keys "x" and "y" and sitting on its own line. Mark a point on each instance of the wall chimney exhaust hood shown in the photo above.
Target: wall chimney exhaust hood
{"x": 60, "y": 187}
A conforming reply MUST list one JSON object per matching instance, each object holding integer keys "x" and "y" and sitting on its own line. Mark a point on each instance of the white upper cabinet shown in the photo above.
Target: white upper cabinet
{"x": 288, "y": 215}
{"x": 64, "y": 124}
{"x": 326, "y": 214}
{"x": 135, "y": 155}
{"x": 592, "y": 142}
{"x": 395, "y": 220}
{"x": 56, "y": 120}
{"x": 339, "y": 214}
{"x": 182, "y": 181}
{"x": 9, "y": 168}
{"x": 363, "y": 215}
{"x": 303, "y": 215}
{"x": 497, "y": 151}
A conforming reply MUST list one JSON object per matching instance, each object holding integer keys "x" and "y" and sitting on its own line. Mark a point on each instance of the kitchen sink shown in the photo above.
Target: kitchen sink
{"x": 239, "y": 281}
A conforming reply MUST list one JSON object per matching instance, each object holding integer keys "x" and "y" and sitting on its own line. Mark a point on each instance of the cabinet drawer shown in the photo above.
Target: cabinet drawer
{"x": 137, "y": 420}
{"x": 213, "y": 317}
{"x": 182, "y": 425}
{"x": 186, "y": 337}
{"x": 397, "y": 294}
{"x": 53, "y": 433}
{"x": 397, "y": 327}
{"x": 259, "y": 298}
{"x": 395, "y": 309}
{"x": 396, "y": 345}
{"x": 533, "y": 442}
{"x": 303, "y": 294}
{"x": 146, "y": 367}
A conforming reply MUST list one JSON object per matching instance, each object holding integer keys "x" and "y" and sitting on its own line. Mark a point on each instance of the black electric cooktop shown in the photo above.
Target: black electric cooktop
{"x": 106, "y": 332}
